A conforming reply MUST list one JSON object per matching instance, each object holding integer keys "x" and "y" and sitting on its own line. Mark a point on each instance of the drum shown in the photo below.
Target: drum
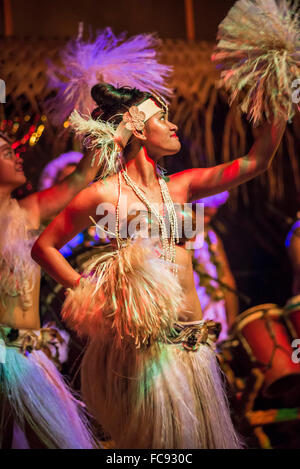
{"x": 263, "y": 335}
{"x": 292, "y": 316}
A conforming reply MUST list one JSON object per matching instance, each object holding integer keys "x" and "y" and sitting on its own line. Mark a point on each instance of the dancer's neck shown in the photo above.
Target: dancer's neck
{"x": 5, "y": 196}
{"x": 142, "y": 169}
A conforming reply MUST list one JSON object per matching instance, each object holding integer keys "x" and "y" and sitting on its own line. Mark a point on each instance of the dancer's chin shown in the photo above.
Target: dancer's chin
{"x": 22, "y": 178}
{"x": 19, "y": 181}
{"x": 175, "y": 148}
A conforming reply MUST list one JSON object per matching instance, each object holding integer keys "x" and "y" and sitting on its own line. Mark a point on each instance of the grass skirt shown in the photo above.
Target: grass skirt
{"x": 37, "y": 395}
{"x": 164, "y": 395}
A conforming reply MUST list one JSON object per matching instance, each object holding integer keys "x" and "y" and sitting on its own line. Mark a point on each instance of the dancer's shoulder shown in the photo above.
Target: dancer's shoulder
{"x": 107, "y": 188}
{"x": 29, "y": 205}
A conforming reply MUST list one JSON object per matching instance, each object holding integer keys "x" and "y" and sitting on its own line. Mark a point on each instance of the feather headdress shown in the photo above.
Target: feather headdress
{"x": 109, "y": 58}
{"x": 259, "y": 52}
{"x": 98, "y": 134}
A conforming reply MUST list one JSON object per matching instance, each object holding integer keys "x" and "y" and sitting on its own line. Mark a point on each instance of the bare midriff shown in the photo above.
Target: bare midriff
{"x": 14, "y": 316}
{"x": 192, "y": 308}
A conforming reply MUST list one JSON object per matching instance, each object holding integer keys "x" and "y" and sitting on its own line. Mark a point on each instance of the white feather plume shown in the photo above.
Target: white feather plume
{"x": 99, "y": 135}
{"x": 109, "y": 58}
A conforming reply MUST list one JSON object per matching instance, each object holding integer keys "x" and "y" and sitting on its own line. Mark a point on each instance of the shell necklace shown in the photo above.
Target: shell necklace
{"x": 168, "y": 245}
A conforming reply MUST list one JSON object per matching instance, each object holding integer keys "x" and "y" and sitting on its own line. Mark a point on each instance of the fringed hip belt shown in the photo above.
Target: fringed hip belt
{"x": 27, "y": 340}
{"x": 191, "y": 335}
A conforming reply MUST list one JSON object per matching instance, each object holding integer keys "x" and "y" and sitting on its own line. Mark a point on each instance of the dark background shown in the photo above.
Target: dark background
{"x": 48, "y": 18}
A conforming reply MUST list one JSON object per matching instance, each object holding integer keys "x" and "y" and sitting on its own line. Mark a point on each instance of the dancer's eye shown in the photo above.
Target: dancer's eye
{"x": 8, "y": 154}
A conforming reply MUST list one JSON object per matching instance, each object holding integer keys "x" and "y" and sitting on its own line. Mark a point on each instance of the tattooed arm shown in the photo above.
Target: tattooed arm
{"x": 202, "y": 182}
{"x": 71, "y": 221}
{"x": 49, "y": 202}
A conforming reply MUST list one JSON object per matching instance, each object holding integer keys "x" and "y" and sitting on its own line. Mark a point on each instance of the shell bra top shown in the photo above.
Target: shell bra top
{"x": 145, "y": 223}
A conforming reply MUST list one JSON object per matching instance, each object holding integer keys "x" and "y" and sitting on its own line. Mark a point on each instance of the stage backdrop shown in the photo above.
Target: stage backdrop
{"x": 54, "y": 18}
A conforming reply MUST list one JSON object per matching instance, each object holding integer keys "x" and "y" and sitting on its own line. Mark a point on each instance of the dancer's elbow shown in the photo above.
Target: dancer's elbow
{"x": 37, "y": 251}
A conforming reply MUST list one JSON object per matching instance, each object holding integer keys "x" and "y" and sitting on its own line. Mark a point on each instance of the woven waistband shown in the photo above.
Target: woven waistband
{"x": 192, "y": 335}
{"x": 27, "y": 340}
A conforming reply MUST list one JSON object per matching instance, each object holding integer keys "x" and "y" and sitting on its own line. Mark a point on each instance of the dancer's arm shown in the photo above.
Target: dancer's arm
{"x": 46, "y": 204}
{"x": 72, "y": 220}
{"x": 202, "y": 182}
{"x": 231, "y": 299}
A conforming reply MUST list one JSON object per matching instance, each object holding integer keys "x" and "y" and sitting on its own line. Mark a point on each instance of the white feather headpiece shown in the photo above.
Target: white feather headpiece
{"x": 111, "y": 59}
{"x": 99, "y": 135}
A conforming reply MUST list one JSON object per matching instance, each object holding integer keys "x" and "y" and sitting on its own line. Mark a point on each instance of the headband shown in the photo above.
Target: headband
{"x": 135, "y": 119}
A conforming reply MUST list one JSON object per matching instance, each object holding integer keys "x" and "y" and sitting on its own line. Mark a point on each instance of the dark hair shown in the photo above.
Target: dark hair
{"x": 113, "y": 101}
{"x": 6, "y": 137}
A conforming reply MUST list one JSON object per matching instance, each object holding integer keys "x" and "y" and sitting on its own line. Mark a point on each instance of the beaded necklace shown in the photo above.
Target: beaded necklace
{"x": 168, "y": 245}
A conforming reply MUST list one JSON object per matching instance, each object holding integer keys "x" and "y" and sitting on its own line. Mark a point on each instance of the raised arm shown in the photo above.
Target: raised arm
{"x": 203, "y": 182}
{"x": 48, "y": 203}
{"x": 72, "y": 220}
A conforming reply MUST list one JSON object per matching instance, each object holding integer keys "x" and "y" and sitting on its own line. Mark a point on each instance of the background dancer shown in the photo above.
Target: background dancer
{"x": 32, "y": 392}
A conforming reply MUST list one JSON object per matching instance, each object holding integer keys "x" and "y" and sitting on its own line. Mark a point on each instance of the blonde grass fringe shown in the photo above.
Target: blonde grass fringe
{"x": 145, "y": 391}
{"x": 259, "y": 52}
{"x": 159, "y": 396}
{"x": 38, "y": 396}
{"x": 129, "y": 292}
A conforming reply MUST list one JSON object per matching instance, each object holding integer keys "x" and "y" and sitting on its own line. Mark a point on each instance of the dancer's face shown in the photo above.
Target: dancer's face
{"x": 11, "y": 166}
{"x": 161, "y": 139}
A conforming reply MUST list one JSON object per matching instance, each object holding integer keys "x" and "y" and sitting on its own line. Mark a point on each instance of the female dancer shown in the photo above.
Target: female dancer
{"x": 35, "y": 403}
{"x": 149, "y": 374}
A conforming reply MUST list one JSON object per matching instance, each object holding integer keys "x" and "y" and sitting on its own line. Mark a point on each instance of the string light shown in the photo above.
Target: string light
{"x": 31, "y": 137}
{"x": 15, "y": 127}
{"x": 40, "y": 130}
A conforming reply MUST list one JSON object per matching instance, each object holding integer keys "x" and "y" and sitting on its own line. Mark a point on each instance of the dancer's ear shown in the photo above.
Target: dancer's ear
{"x": 139, "y": 134}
